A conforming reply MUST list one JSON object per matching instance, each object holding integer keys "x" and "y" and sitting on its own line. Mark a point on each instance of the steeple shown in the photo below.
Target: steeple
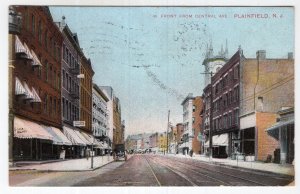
{"x": 226, "y": 50}
{"x": 210, "y": 50}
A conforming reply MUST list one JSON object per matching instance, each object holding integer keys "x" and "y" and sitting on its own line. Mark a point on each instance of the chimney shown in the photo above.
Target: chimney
{"x": 261, "y": 54}
{"x": 290, "y": 55}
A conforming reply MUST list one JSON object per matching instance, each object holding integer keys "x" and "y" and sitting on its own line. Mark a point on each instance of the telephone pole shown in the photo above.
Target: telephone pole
{"x": 167, "y": 132}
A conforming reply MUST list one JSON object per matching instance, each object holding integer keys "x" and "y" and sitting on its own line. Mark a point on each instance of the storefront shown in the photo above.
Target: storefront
{"x": 31, "y": 141}
{"x": 219, "y": 146}
{"x": 284, "y": 132}
{"x": 78, "y": 145}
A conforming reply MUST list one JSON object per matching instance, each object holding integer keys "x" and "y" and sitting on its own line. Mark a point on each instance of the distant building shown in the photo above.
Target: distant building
{"x": 179, "y": 136}
{"x": 187, "y": 123}
{"x": 100, "y": 116}
{"x": 197, "y": 125}
{"x": 86, "y": 85}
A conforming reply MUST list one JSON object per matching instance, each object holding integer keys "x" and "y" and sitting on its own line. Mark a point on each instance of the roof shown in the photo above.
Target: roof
{"x": 96, "y": 87}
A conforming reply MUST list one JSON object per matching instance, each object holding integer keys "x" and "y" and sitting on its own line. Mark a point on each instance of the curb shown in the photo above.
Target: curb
{"x": 85, "y": 170}
{"x": 242, "y": 168}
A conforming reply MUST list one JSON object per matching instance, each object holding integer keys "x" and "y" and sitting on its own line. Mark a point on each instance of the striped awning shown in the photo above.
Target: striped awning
{"x": 73, "y": 137}
{"x": 36, "y": 61}
{"x": 22, "y": 48}
{"x": 36, "y": 96}
{"x": 19, "y": 88}
{"x": 92, "y": 140}
{"x": 80, "y": 135}
{"x": 25, "y": 129}
{"x": 58, "y": 137}
{"x": 28, "y": 93}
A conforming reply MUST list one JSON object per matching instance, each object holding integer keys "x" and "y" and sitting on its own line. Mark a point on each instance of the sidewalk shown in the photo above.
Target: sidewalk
{"x": 255, "y": 165}
{"x": 83, "y": 164}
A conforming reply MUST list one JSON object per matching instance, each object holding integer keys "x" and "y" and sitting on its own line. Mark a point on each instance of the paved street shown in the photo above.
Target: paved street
{"x": 153, "y": 170}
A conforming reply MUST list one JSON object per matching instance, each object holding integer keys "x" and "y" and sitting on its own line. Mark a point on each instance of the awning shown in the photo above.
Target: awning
{"x": 28, "y": 93}
{"x": 79, "y": 134}
{"x": 25, "y": 129}
{"x": 21, "y": 48}
{"x": 58, "y": 137}
{"x": 36, "y": 61}
{"x": 73, "y": 137}
{"x": 19, "y": 88}
{"x": 218, "y": 140}
{"x": 92, "y": 140}
{"x": 274, "y": 129}
{"x": 36, "y": 97}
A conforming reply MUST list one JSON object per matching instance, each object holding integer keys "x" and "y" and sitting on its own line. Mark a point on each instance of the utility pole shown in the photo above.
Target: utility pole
{"x": 167, "y": 132}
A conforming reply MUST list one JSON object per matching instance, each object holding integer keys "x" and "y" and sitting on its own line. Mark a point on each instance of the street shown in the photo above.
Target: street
{"x": 153, "y": 170}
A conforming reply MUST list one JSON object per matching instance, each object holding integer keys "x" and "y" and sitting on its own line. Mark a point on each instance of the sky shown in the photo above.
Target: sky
{"x": 152, "y": 56}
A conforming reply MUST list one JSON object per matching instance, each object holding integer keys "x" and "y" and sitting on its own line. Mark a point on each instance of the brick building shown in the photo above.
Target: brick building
{"x": 197, "y": 124}
{"x": 86, "y": 84}
{"x": 225, "y": 106}
{"x": 266, "y": 86}
{"x": 36, "y": 57}
{"x": 179, "y": 135}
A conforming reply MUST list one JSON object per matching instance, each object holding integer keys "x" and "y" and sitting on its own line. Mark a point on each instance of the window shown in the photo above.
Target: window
{"x": 54, "y": 79}
{"x": 54, "y": 106}
{"x": 50, "y": 106}
{"x": 46, "y": 39}
{"x": 45, "y": 103}
{"x": 194, "y": 108}
{"x": 193, "y": 120}
{"x": 193, "y": 132}
{"x": 46, "y": 71}
{"x": 50, "y": 75}
{"x": 64, "y": 79}
{"x": 40, "y": 28}
{"x": 225, "y": 121}
{"x": 64, "y": 108}
{"x": 236, "y": 72}
{"x": 33, "y": 24}
{"x": 236, "y": 116}
{"x": 58, "y": 82}
{"x": 229, "y": 119}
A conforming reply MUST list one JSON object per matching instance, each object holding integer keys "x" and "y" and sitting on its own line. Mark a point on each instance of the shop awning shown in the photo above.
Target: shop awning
{"x": 92, "y": 140}
{"x": 25, "y": 129}
{"x": 58, "y": 137}
{"x": 73, "y": 137}
{"x": 274, "y": 129}
{"x": 218, "y": 140}
{"x": 60, "y": 134}
{"x": 79, "y": 134}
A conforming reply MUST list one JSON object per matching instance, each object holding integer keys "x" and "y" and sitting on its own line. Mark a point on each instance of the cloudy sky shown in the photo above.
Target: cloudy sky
{"x": 152, "y": 56}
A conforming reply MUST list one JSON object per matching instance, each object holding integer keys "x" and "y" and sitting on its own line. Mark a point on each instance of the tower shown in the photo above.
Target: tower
{"x": 212, "y": 63}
